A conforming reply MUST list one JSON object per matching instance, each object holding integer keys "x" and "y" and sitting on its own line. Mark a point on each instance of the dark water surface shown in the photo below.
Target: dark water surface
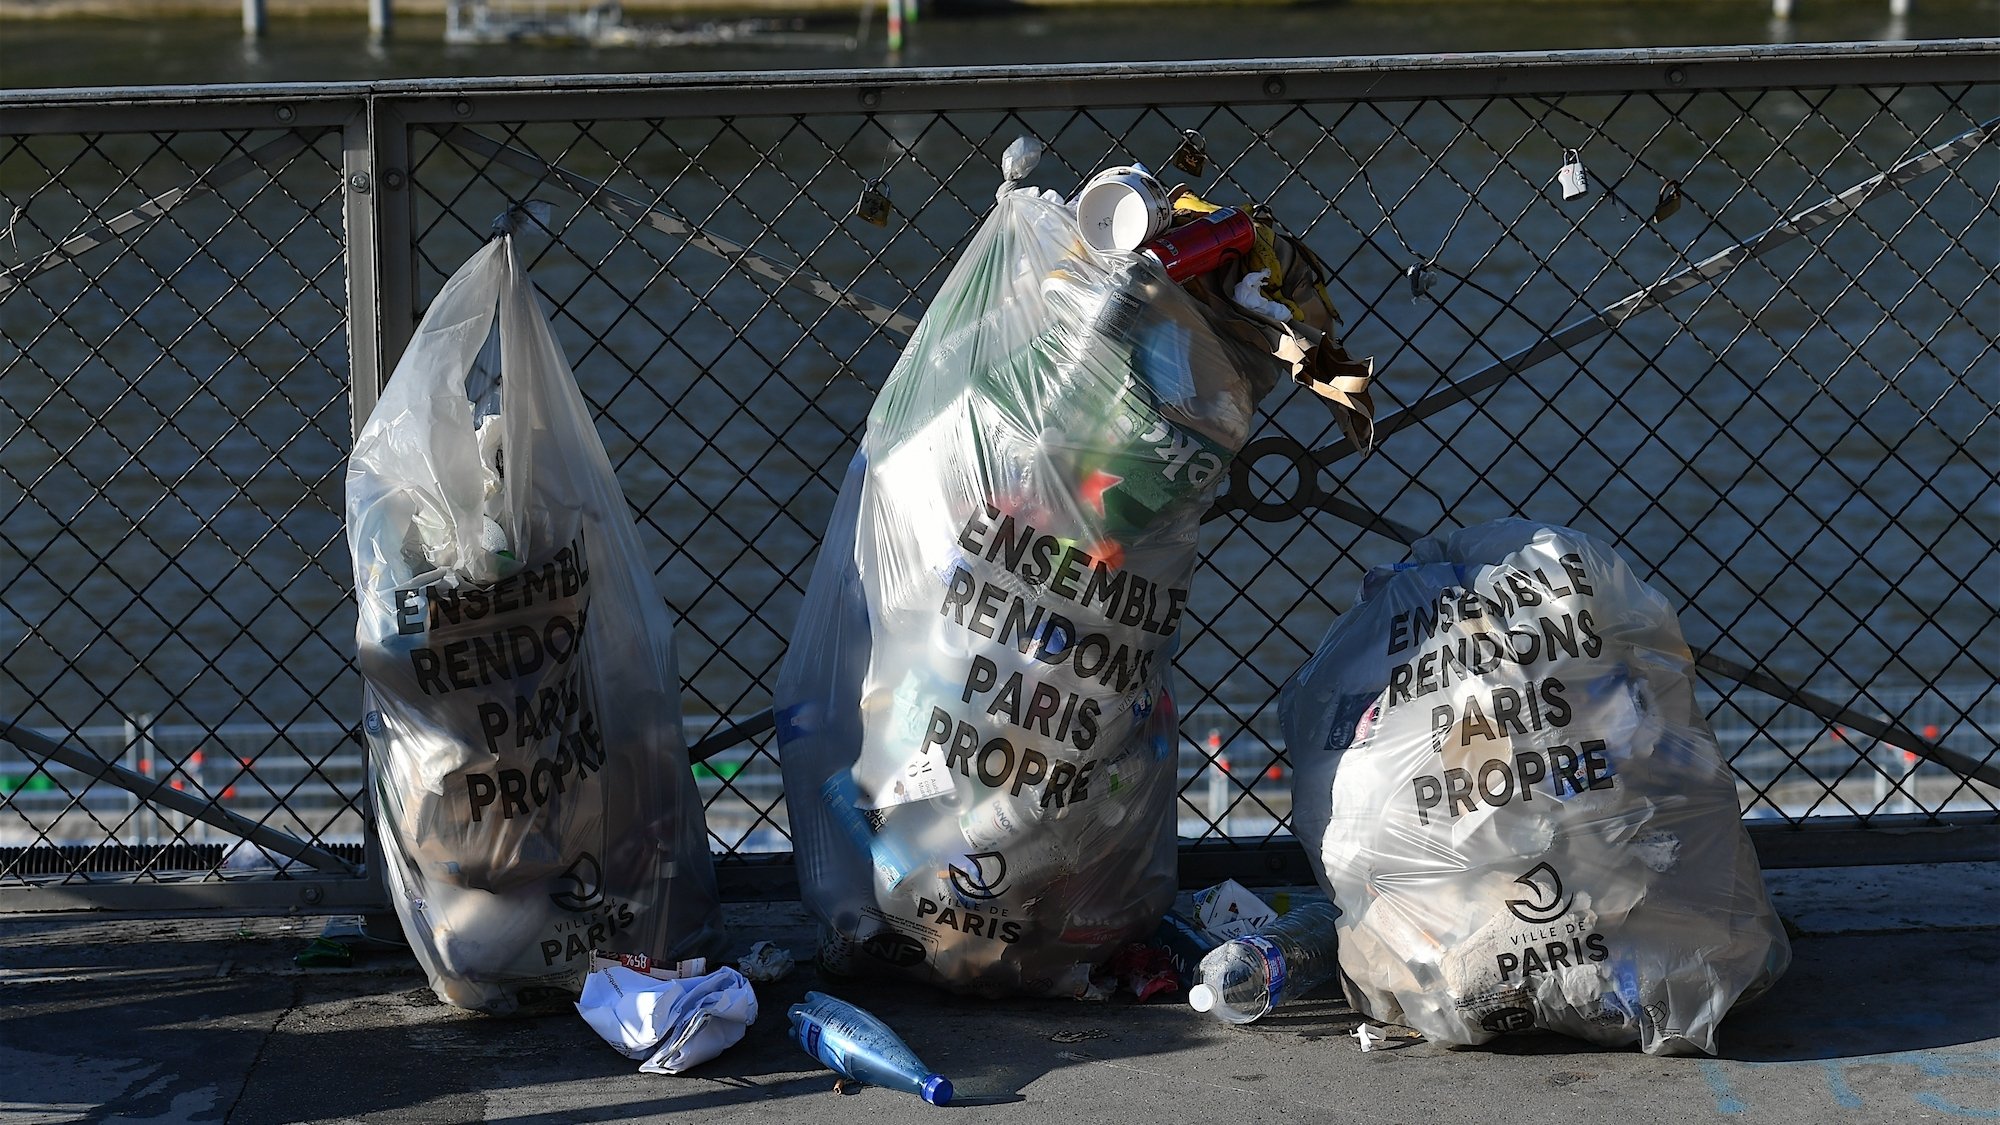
{"x": 188, "y": 51}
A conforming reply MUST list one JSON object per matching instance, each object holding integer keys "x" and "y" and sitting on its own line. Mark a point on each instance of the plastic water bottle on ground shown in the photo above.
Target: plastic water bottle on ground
{"x": 858, "y": 1045}
{"x": 1245, "y": 977}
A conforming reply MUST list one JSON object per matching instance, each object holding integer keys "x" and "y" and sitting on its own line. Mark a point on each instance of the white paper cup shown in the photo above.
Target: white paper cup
{"x": 1122, "y": 209}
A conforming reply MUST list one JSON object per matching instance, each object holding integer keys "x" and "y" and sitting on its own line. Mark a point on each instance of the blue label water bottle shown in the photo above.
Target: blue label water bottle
{"x": 858, "y": 1045}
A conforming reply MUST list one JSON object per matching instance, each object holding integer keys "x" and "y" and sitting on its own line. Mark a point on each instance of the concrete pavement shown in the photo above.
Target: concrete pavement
{"x": 1890, "y": 1013}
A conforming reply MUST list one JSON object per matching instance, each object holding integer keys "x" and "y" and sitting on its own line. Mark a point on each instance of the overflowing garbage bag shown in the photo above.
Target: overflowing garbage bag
{"x": 976, "y": 719}
{"x": 532, "y": 788}
{"x": 1503, "y": 782}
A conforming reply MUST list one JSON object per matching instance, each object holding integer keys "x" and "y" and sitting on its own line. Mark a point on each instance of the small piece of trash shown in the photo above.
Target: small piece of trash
{"x": 1145, "y": 970}
{"x": 766, "y": 962}
{"x": 1078, "y": 1035}
{"x": 672, "y": 1023}
{"x": 355, "y": 934}
{"x": 1249, "y": 294}
{"x": 645, "y": 965}
{"x": 324, "y": 953}
{"x": 1369, "y": 1036}
{"x": 1230, "y": 910}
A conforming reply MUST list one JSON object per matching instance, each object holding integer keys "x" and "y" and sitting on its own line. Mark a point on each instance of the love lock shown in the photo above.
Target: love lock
{"x": 873, "y": 206}
{"x": 1572, "y": 176}
{"x": 1670, "y": 200}
{"x": 1192, "y": 155}
{"x": 1422, "y": 276}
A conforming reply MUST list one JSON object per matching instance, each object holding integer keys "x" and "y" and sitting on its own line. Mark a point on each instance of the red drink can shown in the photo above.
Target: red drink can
{"x": 1201, "y": 245}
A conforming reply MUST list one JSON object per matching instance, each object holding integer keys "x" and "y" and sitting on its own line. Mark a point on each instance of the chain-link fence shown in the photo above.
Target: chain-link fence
{"x": 1757, "y": 352}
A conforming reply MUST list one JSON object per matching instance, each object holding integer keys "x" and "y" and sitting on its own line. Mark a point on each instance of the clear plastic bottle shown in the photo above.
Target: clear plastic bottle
{"x": 1245, "y": 977}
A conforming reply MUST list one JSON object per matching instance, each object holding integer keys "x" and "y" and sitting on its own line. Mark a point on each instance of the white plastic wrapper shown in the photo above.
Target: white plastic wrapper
{"x": 1504, "y": 784}
{"x": 532, "y": 787}
{"x": 977, "y": 726}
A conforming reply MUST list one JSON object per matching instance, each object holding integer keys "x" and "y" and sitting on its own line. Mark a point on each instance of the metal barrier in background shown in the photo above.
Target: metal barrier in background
{"x": 1760, "y": 353}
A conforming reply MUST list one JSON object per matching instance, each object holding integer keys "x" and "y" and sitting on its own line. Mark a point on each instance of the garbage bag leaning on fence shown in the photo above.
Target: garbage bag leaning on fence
{"x": 977, "y": 727}
{"x": 532, "y": 786}
{"x": 1504, "y": 784}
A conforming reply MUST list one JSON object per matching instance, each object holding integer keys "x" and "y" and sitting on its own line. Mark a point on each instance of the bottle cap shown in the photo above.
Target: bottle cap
{"x": 1201, "y": 997}
{"x": 937, "y": 1089}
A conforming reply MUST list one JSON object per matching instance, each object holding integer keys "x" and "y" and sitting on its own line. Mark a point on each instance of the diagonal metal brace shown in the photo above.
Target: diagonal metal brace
{"x": 266, "y": 157}
{"x": 631, "y": 211}
{"x": 1889, "y": 731}
{"x": 158, "y": 791}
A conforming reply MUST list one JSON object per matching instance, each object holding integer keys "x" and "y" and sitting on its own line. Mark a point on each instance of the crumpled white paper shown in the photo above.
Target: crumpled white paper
{"x": 1369, "y": 1035}
{"x": 671, "y": 1024}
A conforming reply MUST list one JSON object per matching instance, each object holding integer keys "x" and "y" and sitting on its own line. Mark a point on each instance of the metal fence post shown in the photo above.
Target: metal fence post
{"x": 138, "y": 761}
{"x": 380, "y": 270}
{"x": 380, "y": 302}
{"x": 1218, "y": 784}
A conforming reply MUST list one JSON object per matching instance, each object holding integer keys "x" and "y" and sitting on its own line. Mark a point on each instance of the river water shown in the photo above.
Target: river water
{"x": 192, "y": 51}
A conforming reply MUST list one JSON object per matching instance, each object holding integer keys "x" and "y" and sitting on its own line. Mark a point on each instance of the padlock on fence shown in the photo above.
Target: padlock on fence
{"x": 1572, "y": 177}
{"x": 873, "y": 206}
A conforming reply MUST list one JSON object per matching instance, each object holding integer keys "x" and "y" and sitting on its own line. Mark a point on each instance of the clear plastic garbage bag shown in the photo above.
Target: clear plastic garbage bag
{"x": 1503, "y": 782}
{"x": 977, "y": 726}
{"x": 531, "y": 782}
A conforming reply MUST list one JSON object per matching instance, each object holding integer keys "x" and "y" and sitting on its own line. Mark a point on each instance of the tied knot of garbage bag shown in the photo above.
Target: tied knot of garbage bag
{"x": 1018, "y": 161}
{"x": 1287, "y": 317}
{"x": 518, "y": 217}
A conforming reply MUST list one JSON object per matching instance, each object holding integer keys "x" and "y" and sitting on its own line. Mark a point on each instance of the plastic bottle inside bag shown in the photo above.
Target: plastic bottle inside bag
{"x": 1126, "y": 378}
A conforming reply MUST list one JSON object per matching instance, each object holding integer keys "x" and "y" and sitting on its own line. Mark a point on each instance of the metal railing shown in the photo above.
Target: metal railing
{"x": 1761, "y": 354}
